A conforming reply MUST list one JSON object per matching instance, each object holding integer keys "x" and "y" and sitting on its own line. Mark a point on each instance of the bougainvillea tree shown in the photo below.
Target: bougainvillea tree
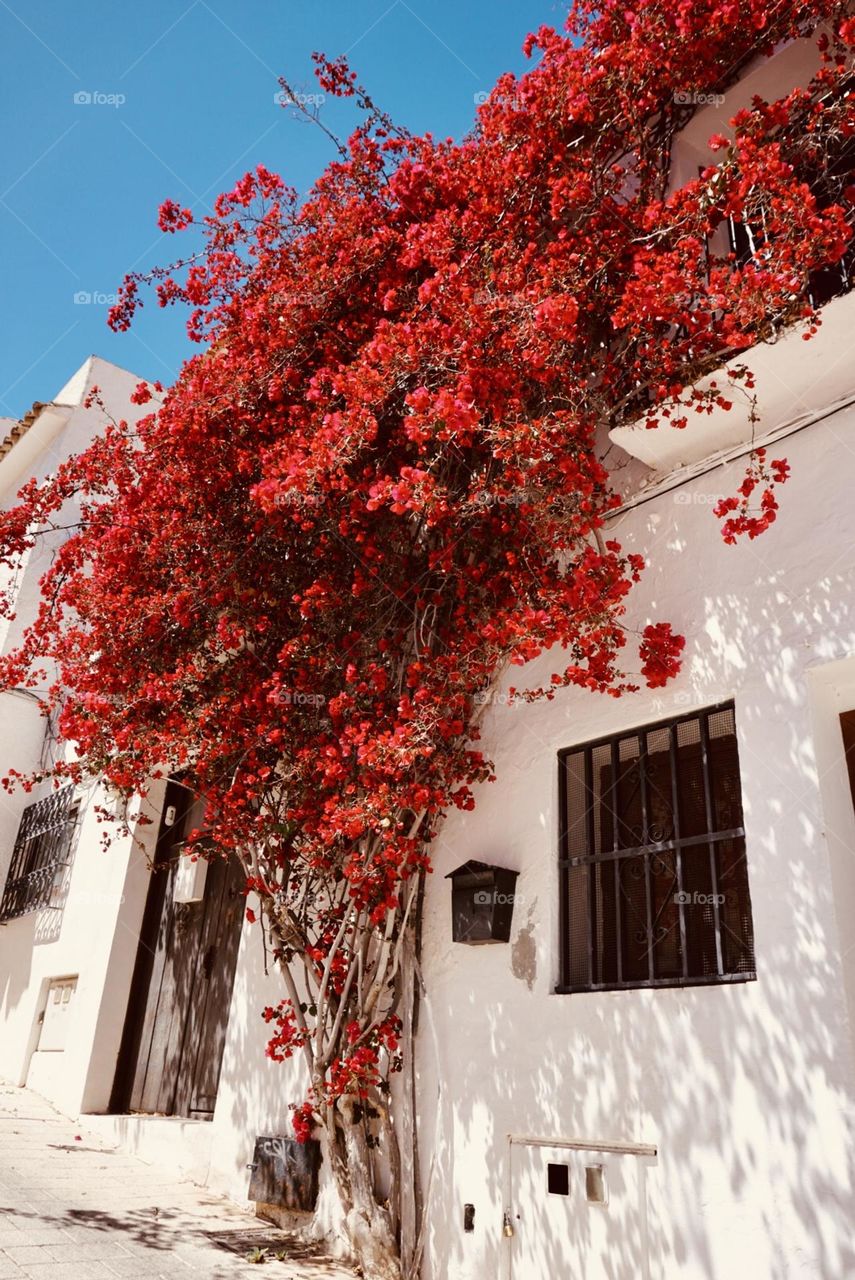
{"x": 380, "y": 483}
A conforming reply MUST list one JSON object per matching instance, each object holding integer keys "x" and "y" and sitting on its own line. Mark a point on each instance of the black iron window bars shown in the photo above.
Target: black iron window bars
{"x": 42, "y": 852}
{"x": 654, "y": 882}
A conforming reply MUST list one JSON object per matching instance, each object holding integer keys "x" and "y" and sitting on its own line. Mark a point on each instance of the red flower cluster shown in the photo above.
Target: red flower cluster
{"x": 660, "y": 653}
{"x": 738, "y": 513}
{"x": 303, "y": 1120}
{"x": 171, "y": 217}
{"x": 289, "y": 1036}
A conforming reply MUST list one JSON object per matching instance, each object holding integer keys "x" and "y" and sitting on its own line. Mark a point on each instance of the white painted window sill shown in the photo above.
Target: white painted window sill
{"x": 794, "y": 380}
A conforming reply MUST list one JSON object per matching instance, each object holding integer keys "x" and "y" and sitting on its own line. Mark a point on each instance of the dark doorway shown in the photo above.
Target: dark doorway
{"x": 175, "y": 1028}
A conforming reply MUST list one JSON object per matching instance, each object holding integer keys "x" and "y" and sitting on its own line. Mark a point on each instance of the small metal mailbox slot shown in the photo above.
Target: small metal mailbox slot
{"x": 482, "y": 903}
{"x": 285, "y": 1172}
{"x": 558, "y": 1179}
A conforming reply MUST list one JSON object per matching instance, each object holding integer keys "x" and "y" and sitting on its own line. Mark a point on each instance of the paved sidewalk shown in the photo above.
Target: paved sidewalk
{"x": 72, "y": 1208}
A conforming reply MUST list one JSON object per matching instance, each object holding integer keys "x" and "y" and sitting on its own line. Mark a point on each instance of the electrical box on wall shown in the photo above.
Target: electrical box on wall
{"x": 482, "y": 903}
{"x": 57, "y": 1015}
{"x": 190, "y": 877}
{"x": 285, "y": 1173}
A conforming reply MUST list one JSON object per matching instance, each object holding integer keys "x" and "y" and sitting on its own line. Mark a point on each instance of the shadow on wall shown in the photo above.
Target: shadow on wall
{"x": 746, "y": 1089}
{"x": 255, "y": 1093}
{"x": 17, "y": 939}
{"x": 743, "y": 1154}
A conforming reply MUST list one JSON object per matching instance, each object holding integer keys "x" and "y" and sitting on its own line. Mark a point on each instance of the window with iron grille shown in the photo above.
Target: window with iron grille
{"x": 42, "y": 852}
{"x": 654, "y": 882}
{"x": 829, "y": 174}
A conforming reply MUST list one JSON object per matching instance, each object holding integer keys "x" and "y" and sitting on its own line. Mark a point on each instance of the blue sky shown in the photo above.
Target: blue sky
{"x": 182, "y": 103}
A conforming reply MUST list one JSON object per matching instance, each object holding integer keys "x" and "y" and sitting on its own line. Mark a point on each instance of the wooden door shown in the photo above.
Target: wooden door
{"x": 172, "y": 1049}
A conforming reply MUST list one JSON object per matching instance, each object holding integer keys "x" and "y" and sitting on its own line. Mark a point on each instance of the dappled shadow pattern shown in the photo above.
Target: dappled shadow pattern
{"x": 162, "y": 1229}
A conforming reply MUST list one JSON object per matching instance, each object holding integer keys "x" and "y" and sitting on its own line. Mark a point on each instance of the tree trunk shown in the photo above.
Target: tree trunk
{"x": 368, "y": 1223}
{"x": 381, "y": 1231}
{"x": 407, "y": 1127}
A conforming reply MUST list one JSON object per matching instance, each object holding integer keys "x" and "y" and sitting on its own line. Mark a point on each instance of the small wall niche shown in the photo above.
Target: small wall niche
{"x": 595, "y": 1184}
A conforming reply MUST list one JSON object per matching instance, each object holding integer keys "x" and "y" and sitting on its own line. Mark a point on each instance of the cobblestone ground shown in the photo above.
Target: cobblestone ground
{"x": 72, "y": 1208}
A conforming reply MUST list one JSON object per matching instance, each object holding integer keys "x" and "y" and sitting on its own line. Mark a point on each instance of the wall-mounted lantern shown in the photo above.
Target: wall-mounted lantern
{"x": 482, "y": 903}
{"x": 190, "y": 877}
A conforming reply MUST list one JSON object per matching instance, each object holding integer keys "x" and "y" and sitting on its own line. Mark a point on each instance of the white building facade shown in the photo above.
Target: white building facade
{"x": 721, "y": 1113}
{"x": 654, "y": 1077}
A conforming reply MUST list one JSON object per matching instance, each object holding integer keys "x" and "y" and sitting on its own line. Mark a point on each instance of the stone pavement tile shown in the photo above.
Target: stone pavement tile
{"x": 29, "y": 1213}
{"x": 83, "y": 1232}
{"x": 28, "y": 1197}
{"x": 192, "y": 1252}
{"x": 133, "y": 1235}
{"x": 117, "y": 1206}
{"x": 98, "y": 1176}
{"x": 66, "y": 1271}
{"x": 269, "y": 1271}
{"x": 226, "y": 1271}
{"x": 210, "y": 1264}
{"x": 187, "y": 1218}
{"x": 21, "y": 1255}
{"x": 10, "y": 1270}
{"x": 207, "y": 1262}
{"x": 157, "y": 1264}
{"x": 27, "y": 1234}
{"x": 142, "y": 1244}
{"x": 82, "y": 1188}
{"x": 276, "y": 1271}
{"x": 72, "y": 1251}
{"x": 29, "y": 1188}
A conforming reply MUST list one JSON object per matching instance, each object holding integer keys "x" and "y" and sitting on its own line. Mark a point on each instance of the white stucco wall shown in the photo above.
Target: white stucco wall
{"x": 747, "y": 1089}
{"x": 93, "y": 938}
{"x": 94, "y": 935}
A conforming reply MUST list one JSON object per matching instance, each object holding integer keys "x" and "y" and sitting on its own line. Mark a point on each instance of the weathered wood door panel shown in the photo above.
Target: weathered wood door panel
{"x": 175, "y": 1029}
{"x": 215, "y": 960}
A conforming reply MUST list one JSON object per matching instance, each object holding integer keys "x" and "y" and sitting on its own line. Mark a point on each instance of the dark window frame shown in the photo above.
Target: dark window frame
{"x": 827, "y": 183}
{"x": 707, "y": 925}
{"x": 43, "y": 848}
